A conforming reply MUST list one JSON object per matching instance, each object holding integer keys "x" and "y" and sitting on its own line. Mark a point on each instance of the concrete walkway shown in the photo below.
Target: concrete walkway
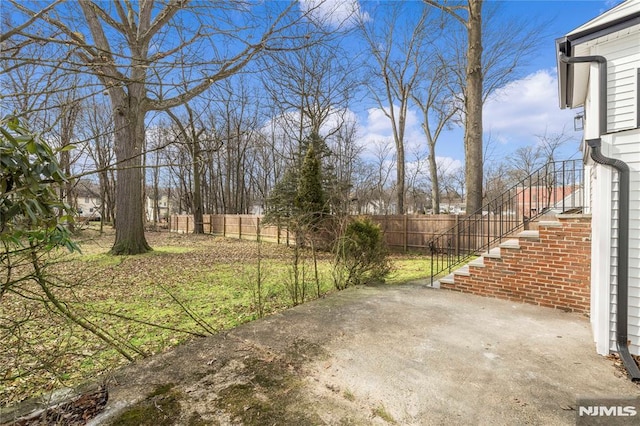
{"x": 406, "y": 355}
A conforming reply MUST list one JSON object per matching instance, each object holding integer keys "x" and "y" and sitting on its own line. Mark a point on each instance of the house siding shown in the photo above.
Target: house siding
{"x": 622, "y": 51}
{"x": 621, "y": 140}
{"x": 601, "y": 281}
{"x": 626, "y": 147}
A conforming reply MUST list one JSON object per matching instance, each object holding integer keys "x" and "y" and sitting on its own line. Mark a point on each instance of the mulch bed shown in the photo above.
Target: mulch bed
{"x": 74, "y": 412}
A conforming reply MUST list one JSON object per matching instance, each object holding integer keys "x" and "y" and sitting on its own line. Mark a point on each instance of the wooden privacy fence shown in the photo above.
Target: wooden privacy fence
{"x": 241, "y": 226}
{"x": 402, "y": 232}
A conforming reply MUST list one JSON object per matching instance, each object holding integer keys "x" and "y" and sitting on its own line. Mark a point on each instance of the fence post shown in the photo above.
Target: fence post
{"x": 239, "y": 227}
{"x": 187, "y": 230}
{"x": 406, "y": 234}
{"x": 278, "y": 233}
{"x": 211, "y": 224}
{"x": 457, "y": 236}
{"x": 224, "y": 225}
{"x": 257, "y": 228}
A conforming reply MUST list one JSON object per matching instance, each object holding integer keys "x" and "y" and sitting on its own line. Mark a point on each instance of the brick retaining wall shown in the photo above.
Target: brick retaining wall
{"x": 549, "y": 268}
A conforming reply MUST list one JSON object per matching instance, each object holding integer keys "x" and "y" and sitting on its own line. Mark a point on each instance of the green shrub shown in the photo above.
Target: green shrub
{"x": 361, "y": 255}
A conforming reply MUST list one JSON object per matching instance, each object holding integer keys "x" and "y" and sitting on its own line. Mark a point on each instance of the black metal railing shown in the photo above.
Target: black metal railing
{"x": 557, "y": 187}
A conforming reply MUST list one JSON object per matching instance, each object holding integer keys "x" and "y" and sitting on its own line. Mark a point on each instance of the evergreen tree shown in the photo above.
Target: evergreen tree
{"x": 304, "y": 187}
{"x": 310, "y": 199}
{"x": 280, "y": 208}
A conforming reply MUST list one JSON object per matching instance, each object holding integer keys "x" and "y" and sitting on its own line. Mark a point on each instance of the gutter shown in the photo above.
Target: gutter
{"x": 622, "y": 299}
{"x": 604, "y": 29}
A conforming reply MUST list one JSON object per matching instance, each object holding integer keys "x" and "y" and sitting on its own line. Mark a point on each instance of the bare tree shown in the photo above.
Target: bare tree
{"x": 309, "y": 85}
{"x": 434, "y": 101}
{"x": 524, "y": 161}
{"x": 550, "y": 143}
{"x": 452, "y": 181}
{"x": 377, "y": 182}
{"x": 238, "y": 117}
{"x": 190, "y": 134}
{"x": 136, "y": 50}
{"x": 486, "y": 63}
{"x": 69, "y": 109}
{"x": 417, "y": 183}
{"x": 97, "y": 130}
{"x": 470, "y": 16}
{"x": 50, "y": 100}
{"x": 345, "y": 154}
{"x": 394, "y": 46}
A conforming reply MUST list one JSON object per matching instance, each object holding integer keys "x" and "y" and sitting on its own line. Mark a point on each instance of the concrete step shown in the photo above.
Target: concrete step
{"x": 550, "y": 224}
{"x": 478, "y": 262}
{"x": 513, "y": 244}
{"x": 529, "y": 235}
{"x": 462, "y": 271}
{"x": 447, "y": 280}
{"x": 494, "y": 253}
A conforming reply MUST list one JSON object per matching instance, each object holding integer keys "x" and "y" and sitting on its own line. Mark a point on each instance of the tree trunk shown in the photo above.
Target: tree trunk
{"x": 198, "y": 226}
{"x": 156, "y": 192}
{"x": 400, "y": 176}
{"x": 129, "y": 134}
{"x": 473, "y": 105}
{"x": 435, "y": 185}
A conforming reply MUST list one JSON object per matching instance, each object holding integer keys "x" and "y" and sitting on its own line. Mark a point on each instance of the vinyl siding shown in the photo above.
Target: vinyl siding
{"x": 613, "y": 278}
{"x": 626, "y": 147}
{"x": 623, "y": 60}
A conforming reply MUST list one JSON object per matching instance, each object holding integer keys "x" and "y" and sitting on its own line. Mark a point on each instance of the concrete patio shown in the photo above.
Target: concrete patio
{"x": 407, "y": 355}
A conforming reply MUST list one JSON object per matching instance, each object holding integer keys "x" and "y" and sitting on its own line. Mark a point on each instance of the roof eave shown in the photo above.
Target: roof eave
{"x": 565, "y": 45}
{"x": 603, "y": 29}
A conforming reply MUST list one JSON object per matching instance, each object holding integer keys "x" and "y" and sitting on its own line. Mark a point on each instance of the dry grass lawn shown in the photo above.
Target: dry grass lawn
{"x": 189, "y": 285}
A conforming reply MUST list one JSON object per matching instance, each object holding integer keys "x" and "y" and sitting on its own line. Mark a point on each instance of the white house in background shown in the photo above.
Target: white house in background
{"x": 87, "y": 200}
{"x": 599, "y": 70}
{"x": 163, "y": 211}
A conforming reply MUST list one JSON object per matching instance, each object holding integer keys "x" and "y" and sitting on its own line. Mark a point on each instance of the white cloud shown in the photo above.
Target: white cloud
{"x": 525, "y": 108}
{"x": 448, "y": 164}
{"x": 335, "y": 13}
{"x": 375, "y": 130}
{"x": 379, "y": 123}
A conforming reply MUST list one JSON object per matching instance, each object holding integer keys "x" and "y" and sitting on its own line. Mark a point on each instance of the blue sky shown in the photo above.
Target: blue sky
{"x": 524, "y": 108}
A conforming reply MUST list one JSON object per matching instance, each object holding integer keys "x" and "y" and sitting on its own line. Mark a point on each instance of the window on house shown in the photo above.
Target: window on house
{"x": 87, "y": 200}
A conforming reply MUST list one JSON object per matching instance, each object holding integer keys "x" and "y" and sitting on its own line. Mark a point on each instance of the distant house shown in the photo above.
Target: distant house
{"x": 532, "y": 200}
{"x": 599, "y": 70}
{"x": 163, "y": 210}
{"x": 87, "y": 200}
{"x": 88, "y": 203}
